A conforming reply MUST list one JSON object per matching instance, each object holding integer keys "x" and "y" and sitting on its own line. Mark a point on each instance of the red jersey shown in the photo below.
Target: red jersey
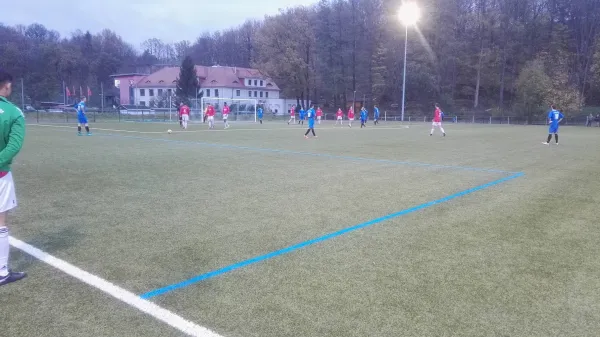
{"x": 226, "y": 110}
{"x": 437, "y": 115}
{"x": 184, "y": 110}
{"x": 319, "y": 112}
{"x": 210, "y": 112}
{"x": 350, "y": 113}
{"x": 293, "y": 112}
{"x": 340, "y": 113}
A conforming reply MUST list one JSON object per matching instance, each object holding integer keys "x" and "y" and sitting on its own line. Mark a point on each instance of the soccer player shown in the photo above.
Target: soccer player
{"x": 302, "y": 116}
{"x": 184, "y": 114}
{"x": 554, "y": 119}
{"x": 292, "y": 115}
{"x": 226, "y": 112}
{"x": 350, "y": 116}
{"x": 180, "y": 118}
{"x": 363, "y": 117}
{"x": 319, "y": 115}
{"x": 376, "y": 115}
{"x": 311, "y": 122}
{"x": 340, "y": 117}
{"x": 81, "y": 117}
{"x": 210, "y": 116}
{"x": 438, "y": 115}
{"x": 260, "y": 114}
{"x": 12, "y": 127}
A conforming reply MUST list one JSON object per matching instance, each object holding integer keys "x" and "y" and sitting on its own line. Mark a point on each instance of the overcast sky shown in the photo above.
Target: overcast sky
{"x": 138, "y": 20}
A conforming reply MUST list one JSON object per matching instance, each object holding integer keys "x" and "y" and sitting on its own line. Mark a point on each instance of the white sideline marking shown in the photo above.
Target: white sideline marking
{"x": 119, "y": 293}
{"x": 218, "y": 130}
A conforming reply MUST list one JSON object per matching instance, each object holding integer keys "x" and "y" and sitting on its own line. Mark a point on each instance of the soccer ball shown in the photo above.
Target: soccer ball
{"x": 169, "y": 131}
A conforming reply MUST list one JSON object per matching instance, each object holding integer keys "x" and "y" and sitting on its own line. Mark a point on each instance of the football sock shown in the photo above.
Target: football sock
{"x": 549, "y": 138}
{"x": 431, "y": 133}
{"x": 79, "y": 129}
{"x": 313, "y": 131}
{"x": 307, "y": 131}
{"x": 442, "y": 129}
{"x": 87, "y": 128}
{"x": 4, "y": 251}
{"x": 556, "y": 137}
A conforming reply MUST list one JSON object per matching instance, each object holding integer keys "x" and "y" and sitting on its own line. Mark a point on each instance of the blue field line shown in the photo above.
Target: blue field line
{"x": 257, "y": 259}
{"x": 322, "y": 155}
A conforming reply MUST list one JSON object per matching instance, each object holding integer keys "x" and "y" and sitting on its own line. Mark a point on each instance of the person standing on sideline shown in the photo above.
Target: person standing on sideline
{"x": 438, "y": 115}
{"x": 311, "y": 122}
{"x": 292, "y": 115}
{"x": 319, "y": 115}
{"x": 554, "y": 119}
{"x": 226, "y": 111}
{"x": 81, "y": 117}
{"x": 376, "y": 115}
{"x": 260, "y": 114}
{"x": 12, "y": 127}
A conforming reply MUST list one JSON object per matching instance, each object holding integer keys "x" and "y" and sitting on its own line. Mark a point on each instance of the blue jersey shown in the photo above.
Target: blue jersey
{"x": 363, "y": 115}
{"x": 302, "y": 113}
{"x": 311, "y": 118}
{"x": 554, "y": 116}
{"x": 376, "y": 112}
{"x": 80, "y": 109}
{"x": 259, "y": 113}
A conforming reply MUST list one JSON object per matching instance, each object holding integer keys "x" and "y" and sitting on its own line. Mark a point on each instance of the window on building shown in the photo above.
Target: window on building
{"x": 266, "y": 94}
{"x": 249, "y": 93}
{"x": 142, "y": 103}
{"x": 142, "y": 92}
{"x": 169, "y": 92}
{"x": 238, "y": 93}
{"x": 160, "y": 92}
{"x": 151, "y": 92}
{"x": 261, "y": 83}
{"x": 261, "y": 94}
{"x": 216, "y": 92}
{"x": 256, "y": 94}
{"x": 207, "y": 92}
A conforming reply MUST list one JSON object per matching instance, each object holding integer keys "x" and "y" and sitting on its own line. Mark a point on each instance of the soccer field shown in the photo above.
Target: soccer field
{"x": 255, "y": 231}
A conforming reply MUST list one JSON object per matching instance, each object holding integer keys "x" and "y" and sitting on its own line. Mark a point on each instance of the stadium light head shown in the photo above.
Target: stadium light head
{"x": 409, "y": 13}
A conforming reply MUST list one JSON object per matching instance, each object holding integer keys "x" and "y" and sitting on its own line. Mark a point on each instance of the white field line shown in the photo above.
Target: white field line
{"x": 216, "y": 130}
{"x": 161, "y": 314}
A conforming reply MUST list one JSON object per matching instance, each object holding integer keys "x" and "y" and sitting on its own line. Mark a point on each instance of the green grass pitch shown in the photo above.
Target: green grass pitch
{"x": 144, "y": 209}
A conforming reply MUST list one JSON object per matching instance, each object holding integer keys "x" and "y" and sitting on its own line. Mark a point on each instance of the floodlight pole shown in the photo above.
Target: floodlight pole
{"x": 404, "y": 74}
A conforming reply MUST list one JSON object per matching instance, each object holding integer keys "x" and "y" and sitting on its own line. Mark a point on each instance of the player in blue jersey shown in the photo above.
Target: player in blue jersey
{"x": 81, "y": 117}
{"x": 302, "y": 116}
{"x": 363, "y": 117}
{"x": 311, "y": 122}
{"x": 554, "y": 119}
{"x": 376, "y": 115}
{"x": 260, "y": 114}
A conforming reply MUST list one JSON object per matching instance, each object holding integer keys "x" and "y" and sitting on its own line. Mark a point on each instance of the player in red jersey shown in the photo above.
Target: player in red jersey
{"x": 438, "y": 115}
{"x": 184, "y": 114}
{"x": 319, "y": 115}
{"x": 179, "y": 113}
{"x": 292, "y": 115}
{"x": 210, "y": 116}
{"x": 350, "y": 116}
{"x": 340, "y": 117}
{"x": 226, "y": 111}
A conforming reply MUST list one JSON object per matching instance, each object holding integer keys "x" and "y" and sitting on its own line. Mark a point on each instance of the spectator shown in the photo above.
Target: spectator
{"x": 590, "y": 118}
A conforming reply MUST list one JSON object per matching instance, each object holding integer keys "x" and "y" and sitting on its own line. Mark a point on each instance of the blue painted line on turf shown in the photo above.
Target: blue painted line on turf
{"x": 287, "y": 250}
{"x": 322, "y": 155}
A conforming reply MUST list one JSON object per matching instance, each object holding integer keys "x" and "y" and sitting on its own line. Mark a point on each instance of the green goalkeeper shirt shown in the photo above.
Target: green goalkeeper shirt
{"x": 12, "y": 133}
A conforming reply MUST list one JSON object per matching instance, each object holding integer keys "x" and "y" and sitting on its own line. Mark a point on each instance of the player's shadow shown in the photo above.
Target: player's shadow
{"x": 50, "y": 243}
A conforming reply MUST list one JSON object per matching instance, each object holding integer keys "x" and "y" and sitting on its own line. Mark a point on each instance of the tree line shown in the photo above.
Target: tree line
{"x": 510, "y": 57}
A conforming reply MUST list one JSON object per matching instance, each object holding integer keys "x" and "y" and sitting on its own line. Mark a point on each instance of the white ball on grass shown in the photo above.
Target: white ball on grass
{"x": 169, "y": 131}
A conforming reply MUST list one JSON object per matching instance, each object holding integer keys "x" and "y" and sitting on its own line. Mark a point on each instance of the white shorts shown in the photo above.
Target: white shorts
{"x": 185, "y": 118}
{"x": 211, "y": 118}
{"x": 351, "y": 119}
{"x": 318, "y": 117}
{"x": 339, "y": 118}
{"x": 225, "y": 117}
{"x": 8, "y": 199}
{"x": 436, "y": 124}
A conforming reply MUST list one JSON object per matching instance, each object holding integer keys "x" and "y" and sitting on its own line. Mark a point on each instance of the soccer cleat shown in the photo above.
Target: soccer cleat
{"x": 444, "y": 135}
{"x": 556, "y": 143}
{"x": 79, "y": 133}
{"x": 89, "y": 133}
{"x": 12, "y": 277}
{"x": 305, "y": 137}
{"x": 546, "y": 143}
